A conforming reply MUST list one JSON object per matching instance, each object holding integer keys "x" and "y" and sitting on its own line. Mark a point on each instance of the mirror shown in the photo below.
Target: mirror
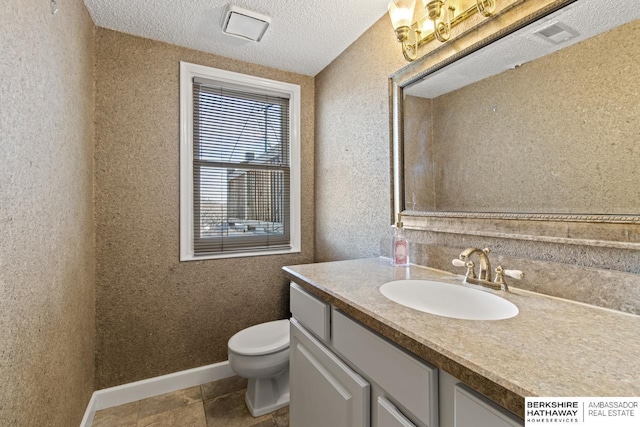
{"x": 544, "y": 122}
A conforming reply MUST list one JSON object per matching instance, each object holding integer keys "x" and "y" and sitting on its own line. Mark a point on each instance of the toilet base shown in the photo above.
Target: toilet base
{"x": 266, "y": 395}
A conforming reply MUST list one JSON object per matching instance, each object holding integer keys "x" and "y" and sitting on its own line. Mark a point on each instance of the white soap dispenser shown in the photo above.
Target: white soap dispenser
{"x": 400, "y": 248}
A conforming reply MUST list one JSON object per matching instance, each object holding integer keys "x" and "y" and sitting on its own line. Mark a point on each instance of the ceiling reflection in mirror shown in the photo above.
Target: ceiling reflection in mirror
{"x": 558, "y": 132}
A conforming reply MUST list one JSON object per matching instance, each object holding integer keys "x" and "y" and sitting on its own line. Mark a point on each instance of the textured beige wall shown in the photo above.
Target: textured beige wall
{"x": 557, "y": 135}
{"x": 352, "y": 147}
{"x": 156, "y": 315}
{"x": 47, "y": 286}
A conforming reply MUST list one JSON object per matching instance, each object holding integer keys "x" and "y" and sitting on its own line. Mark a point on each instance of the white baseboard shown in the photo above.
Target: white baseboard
{"x": 131, "y": 392}
{"x": 90, "y": 412}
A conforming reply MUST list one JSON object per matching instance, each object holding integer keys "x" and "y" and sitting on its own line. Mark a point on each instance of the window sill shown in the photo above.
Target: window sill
{"x": 191, "y": 257}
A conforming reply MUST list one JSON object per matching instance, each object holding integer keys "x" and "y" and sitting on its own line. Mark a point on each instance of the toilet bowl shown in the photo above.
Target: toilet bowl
{"x": 260, "y": 353}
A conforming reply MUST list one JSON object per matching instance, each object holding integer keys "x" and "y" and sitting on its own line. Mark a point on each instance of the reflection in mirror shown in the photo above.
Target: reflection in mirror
{"x": 554, "y": 134}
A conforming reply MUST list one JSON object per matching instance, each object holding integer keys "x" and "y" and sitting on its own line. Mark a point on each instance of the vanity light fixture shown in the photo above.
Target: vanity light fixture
{"x": 401, "y": 13}
{"x": 434, "y": 20}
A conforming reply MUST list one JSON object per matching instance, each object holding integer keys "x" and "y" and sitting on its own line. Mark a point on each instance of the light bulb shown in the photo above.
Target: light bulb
{"x": 401, "y": 12}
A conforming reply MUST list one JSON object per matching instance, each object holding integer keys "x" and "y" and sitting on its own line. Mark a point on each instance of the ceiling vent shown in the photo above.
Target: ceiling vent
{"x": 557, "y": 33}
{"x": 245, "y": 24}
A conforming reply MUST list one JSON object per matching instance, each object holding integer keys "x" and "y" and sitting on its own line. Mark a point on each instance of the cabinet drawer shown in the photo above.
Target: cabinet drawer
{"x": 474, "y": 410}
{"x": 312, "y": 313}
{"x": 389, "y": 416}
{"x": 411, "y": 382}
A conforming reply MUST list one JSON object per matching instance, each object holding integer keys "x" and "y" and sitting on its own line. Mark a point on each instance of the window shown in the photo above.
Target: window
{"x": 239, "y": 165}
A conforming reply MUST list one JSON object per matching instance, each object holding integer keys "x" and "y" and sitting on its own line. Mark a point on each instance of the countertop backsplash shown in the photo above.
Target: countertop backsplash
{"x": 598, "y": 276}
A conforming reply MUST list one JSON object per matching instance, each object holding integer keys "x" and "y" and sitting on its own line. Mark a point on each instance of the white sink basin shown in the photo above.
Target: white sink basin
{"x": 445, "y": 299}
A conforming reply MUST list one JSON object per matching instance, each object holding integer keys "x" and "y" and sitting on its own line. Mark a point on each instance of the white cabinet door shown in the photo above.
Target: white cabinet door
{"x": 324, "y": 391}
{"x": 474, "y": 410}
{"x": 389, "y": 416}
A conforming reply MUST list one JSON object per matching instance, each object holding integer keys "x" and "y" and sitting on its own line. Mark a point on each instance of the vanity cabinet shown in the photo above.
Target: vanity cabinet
{"x": 344, "y": 374}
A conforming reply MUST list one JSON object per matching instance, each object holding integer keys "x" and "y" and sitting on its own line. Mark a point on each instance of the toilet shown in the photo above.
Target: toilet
{"x": 260, "y": 353}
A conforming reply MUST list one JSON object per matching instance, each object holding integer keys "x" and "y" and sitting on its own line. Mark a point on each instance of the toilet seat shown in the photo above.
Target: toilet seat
{"x": 265, "y": 338}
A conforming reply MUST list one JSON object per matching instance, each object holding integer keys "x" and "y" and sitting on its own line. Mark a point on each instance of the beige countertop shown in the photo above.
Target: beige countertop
{"x": 553, "y": 347}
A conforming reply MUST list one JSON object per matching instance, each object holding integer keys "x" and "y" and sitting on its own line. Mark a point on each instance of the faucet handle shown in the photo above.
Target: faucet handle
{"x": 458, "y": 262}
{"x": 501, "y": 272}
{"x": 469, "y": 264}
{"x": 516, "y": 274}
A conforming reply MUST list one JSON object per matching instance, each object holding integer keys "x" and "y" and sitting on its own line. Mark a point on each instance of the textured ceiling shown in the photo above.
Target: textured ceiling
{"x": 304, "y": 36}
{"x": 587, "y": 17}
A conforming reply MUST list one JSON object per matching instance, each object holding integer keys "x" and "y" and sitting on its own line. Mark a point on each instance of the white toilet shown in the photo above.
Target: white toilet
{"x": 260, "y": 353}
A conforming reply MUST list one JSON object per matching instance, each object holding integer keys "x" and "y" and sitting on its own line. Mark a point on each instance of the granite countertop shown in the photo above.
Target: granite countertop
{"x": 553, "y": 347}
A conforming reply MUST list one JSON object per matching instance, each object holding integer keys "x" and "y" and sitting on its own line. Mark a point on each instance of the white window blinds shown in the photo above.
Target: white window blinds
{"x": 241, "y": 169}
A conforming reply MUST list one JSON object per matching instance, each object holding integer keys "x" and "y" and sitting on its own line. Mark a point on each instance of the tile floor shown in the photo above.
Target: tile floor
{"x": 219, "y": 403}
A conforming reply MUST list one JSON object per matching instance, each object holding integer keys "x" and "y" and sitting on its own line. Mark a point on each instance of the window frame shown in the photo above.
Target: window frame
{"x": 257, "y": 85}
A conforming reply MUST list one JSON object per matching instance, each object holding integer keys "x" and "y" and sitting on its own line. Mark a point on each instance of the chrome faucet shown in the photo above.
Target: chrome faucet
{"x": 485, "y": 264}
